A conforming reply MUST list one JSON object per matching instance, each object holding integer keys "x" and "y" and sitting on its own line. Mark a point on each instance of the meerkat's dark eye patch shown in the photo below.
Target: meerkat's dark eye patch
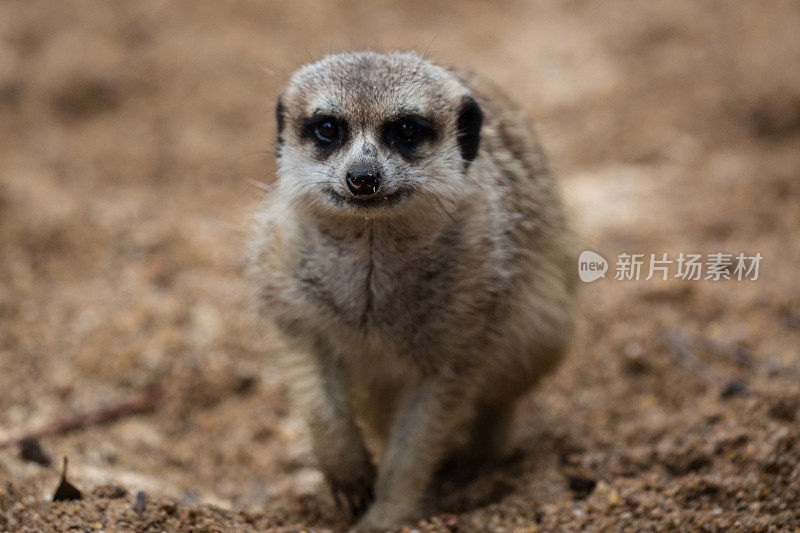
{"x": 406, "y": 133}
{"x": 326, "y": 131}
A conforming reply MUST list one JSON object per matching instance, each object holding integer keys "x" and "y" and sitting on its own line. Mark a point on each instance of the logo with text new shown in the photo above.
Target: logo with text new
{"x": 591, "y": 266}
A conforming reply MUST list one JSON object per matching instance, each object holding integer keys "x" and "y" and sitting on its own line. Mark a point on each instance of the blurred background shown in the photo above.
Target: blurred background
{"x": 134, "y": 138}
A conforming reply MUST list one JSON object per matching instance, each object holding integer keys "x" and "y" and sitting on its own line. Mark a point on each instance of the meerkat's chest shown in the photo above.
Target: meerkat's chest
{"x": 377, "y": 284}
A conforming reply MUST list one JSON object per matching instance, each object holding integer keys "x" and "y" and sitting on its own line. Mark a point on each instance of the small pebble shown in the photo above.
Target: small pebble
{"x": 734, "y": 388}
{"x": 30, "y": 450}
{"x": 141, "y": 501}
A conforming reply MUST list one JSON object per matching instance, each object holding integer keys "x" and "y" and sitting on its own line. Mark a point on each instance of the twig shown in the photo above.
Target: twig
{"x": 140, "y": 403}
{"x": 736, "y": 352}
{"x": 681, "y": 349}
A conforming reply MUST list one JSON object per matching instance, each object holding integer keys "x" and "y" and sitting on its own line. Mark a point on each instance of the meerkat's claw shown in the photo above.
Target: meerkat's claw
{"x": 337, "y": 499}
{"x": 352, "y": 499}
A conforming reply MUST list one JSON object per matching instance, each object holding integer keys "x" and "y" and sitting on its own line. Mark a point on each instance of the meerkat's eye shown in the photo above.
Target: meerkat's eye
{"x": 406, "y": 133}
{"x": 327, "y": 131}
{"x": 408, "y": 130}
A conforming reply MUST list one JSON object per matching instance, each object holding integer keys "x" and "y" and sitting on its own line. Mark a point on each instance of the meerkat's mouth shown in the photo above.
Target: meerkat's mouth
{"x": 378, "y": 201}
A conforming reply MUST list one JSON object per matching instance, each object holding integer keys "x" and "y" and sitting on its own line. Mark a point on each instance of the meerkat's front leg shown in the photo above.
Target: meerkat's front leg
{"x": 419, "y": 440}
{"x": 318, "y": 386}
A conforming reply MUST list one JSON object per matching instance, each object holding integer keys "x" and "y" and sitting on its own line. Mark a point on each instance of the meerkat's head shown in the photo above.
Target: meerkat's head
{"x": 372, "y": 135}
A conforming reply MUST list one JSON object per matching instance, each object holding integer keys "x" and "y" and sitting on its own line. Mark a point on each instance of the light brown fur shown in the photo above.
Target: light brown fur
{"x": 411, "y": 324}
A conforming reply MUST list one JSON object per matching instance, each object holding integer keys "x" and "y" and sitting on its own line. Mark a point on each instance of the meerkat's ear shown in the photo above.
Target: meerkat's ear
{"x": 280, "y": 120}
{"x": 470, "y": 118}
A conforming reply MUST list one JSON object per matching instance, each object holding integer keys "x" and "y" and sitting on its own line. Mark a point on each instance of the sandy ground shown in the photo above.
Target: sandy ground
{"x": 131, "y": 136}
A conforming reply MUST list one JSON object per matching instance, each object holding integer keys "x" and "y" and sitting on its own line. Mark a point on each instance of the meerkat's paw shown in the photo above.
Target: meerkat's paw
{"x": 351, "y": 480}
{"x": 387, "y": 517}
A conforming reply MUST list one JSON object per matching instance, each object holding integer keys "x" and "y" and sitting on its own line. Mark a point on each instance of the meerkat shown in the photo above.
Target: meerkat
{"x": 415, "y": 256}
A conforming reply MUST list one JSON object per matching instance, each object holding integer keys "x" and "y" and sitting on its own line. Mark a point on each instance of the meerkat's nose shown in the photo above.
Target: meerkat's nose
{"x": 363, "y": 180}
